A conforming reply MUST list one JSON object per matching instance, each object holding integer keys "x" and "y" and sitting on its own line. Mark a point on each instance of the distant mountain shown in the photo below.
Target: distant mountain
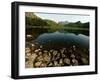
{"x": 63, "y": 22}
{"x": 74, "y": 24}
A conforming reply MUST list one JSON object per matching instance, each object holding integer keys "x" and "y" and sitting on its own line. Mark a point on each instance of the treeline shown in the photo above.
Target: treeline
{"x": 77, "y": 24}
{"x": 35, "y": 22}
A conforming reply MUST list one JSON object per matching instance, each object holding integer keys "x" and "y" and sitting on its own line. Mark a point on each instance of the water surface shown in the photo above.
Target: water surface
{"x": 58, "y": 39}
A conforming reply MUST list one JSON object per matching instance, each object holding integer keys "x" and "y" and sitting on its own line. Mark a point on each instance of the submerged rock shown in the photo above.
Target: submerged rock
{"x": 38, "y": 64}
{"x": 43, "y": 65}
{"x": 29, "y": 64}
{"x": 67, "y": 61}
{"x": 34, "y": 56}
{"x": 72, "y": 56}
{"x": 50, "y": 64}
{"x": 27, "y": 50}
{"x": 75, "y": 62}
{"x": 40, "y": 57}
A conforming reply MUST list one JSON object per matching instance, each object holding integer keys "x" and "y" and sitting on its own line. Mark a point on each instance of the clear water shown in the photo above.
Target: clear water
{"x": 58, "y": 39}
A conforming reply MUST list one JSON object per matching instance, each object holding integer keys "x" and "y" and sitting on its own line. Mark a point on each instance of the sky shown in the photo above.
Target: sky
{"x": 64, "y": 17}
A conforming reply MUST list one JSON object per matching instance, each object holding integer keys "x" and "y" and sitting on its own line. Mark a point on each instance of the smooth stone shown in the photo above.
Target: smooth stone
{"x": 67, "y": 61}
{"x": 38, "y": 64}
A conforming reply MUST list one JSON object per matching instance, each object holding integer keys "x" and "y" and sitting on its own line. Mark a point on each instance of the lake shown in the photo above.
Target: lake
{"x": 59, "y": 39}
{"x": 58, "y": 47}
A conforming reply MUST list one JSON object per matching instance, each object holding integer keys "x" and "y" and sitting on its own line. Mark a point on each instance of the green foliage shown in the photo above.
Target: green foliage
{"x": 35, "y": 22}
{"x": 77, "y": 24}
{"x": 86, "y": 25}
{"x": 38, "y": 22}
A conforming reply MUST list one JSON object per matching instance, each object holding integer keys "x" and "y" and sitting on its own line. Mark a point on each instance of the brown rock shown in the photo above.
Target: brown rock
{"x": 28, "y": 54}
{"x": 43, "y": 65}
{"x": 38, "y": 64}
{"x": 50, "y": 64}
{"x": 67, "y": 61}
{"x": 39, "y": 58}
{"x": 75, "y": 62}
{"x": 33, "y": 56}
{"x": 27, "y": 50}
{"x": 72, "y": 56}
{"x": 61, "y": 61}
{"x": 55, "y": 63}
{"x": 29, "y": 64}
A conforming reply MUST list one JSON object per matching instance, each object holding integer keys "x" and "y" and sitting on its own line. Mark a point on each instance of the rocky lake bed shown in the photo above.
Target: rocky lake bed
{"x": 36, "y": 56}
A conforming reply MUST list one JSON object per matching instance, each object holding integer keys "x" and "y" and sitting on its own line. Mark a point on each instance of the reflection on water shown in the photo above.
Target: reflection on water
{"x": 58, "y": 39}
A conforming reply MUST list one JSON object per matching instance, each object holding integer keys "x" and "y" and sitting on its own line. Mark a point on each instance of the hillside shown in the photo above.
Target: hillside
{"x": 34, "y": 21}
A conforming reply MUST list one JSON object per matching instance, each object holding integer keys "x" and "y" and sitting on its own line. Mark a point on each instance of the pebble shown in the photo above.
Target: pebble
{"x": 67, "y": 61}
{"x": 72, "y": 56}
{"x": 27, "y": 50}
{"x": 38, "y": 64}
{"x": 75, "y": 62}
